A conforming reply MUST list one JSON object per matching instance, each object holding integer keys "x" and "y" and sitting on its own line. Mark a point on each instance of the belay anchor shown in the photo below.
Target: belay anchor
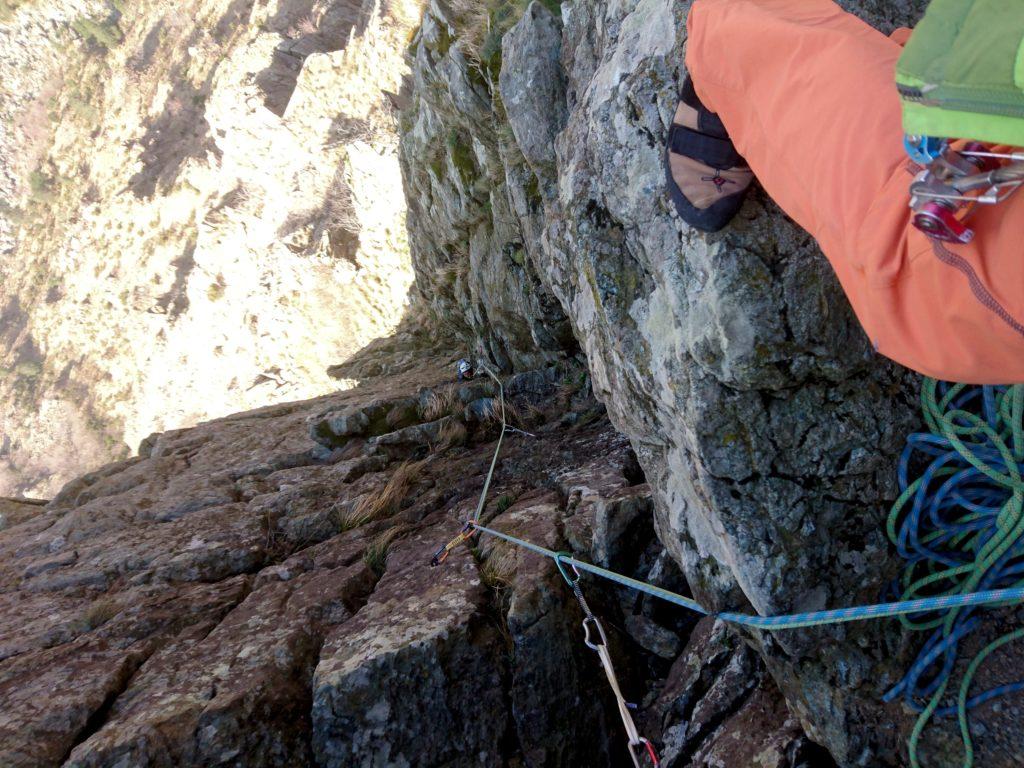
{"x": 961, "y": 86}
{"x": 954, "y": 182}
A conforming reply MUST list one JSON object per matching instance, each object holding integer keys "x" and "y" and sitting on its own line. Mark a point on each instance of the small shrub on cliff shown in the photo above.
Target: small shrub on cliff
{"x": 9, "y": 7}
{"x": 503, "y": 503}
{"x": 451, "y": 435}
{"x": 307, "y": 25}
{"x": 571, "y": 385}
{"x": 482, "y": 24}
{"x": 12, "y": 213}
{"x": 105, "y": 33}
{"x": 83, "y": 109}
{"x": 43, "y": 187}
{"x": 29, "y": 369}
{"x": 217, "y": 289}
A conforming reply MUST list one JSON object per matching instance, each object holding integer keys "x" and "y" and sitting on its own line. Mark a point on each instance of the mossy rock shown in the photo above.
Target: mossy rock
{"x": 463, "y": 159}
{"x": 29, "y": 369}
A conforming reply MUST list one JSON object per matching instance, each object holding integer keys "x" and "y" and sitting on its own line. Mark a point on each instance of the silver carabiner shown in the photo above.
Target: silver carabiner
{"x": 587, "y": 622}
{"x": 644, "y": 748}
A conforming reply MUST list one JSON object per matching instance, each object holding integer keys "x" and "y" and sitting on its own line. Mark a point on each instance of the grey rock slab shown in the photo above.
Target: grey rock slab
{"x": 556, "y": 724}
{"x": 532, "y": 85}
{"x": 415, "y": 662}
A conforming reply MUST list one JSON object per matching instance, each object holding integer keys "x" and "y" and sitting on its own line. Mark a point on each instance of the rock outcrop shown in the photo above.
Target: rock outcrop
{"x": 472, "y": 249}
{"x": 699, "y": 412}
{"x": 766, "y": 426}
{"x": 16, "y": 511}
{"x": 257, "y": 591}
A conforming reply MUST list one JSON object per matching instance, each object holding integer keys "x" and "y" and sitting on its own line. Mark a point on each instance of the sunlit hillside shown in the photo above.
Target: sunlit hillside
{"x": 200, "y": 212}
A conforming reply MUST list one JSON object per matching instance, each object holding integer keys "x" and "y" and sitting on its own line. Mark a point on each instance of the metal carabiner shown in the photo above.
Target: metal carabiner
{"x": 638, "y": 754}
{"x": 587, "y": 623}
{"x": 564, "y": 557}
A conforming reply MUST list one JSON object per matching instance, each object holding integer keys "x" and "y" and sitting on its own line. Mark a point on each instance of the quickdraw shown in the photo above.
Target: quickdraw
{"x": 991, "y": 560}
{"x": 640, "y": 749}
{"x": 442, "y": 554}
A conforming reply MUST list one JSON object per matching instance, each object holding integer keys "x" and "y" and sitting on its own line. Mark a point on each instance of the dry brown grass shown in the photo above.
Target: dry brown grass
{"x": 384, "y": 503}
{"x": 376, "y": 555}
{"x": 451, "y": 435}
{"x": 406, "y": 13}
{"x": 100, "y": 612}
{"x": 572, "y": 383}
{"x": 307, "y": 25}
{"x": 535, "y": 414}
{"x": 474, "y": 22}
{"x": 339, "y": 210}
{"x": 482, "y": 23}
{"x": 442, "y": 402}
{"x": 230, "y": 207}
{"x": 513, "y": 416}
{"x": 499, "y": 569}
{"x": 399, "y": 416}
{"x": 453, "y": 272}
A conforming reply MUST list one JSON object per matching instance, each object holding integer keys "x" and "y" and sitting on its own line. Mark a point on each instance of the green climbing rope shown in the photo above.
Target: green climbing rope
{"x": 960, "y": 525}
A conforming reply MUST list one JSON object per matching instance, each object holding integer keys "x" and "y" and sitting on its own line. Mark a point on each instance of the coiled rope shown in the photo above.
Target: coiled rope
{"x": 959, "y": 523}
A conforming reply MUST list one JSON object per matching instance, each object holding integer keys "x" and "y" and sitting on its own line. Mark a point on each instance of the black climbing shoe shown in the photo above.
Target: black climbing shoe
{"x": 707, "y": 178}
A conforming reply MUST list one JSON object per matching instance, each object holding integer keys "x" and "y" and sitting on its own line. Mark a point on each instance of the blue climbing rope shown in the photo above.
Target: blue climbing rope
{"x": 959, "y": 525}
{"x": 772, "y": 623}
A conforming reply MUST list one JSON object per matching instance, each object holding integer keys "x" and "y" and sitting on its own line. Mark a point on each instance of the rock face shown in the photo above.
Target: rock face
{"x": 245, "y": 594}
{"x": 766, "y": 426}
{"x": 717, "y": 709}
{"x": 474, "y": 273}
{"x": 256, "y": 590}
